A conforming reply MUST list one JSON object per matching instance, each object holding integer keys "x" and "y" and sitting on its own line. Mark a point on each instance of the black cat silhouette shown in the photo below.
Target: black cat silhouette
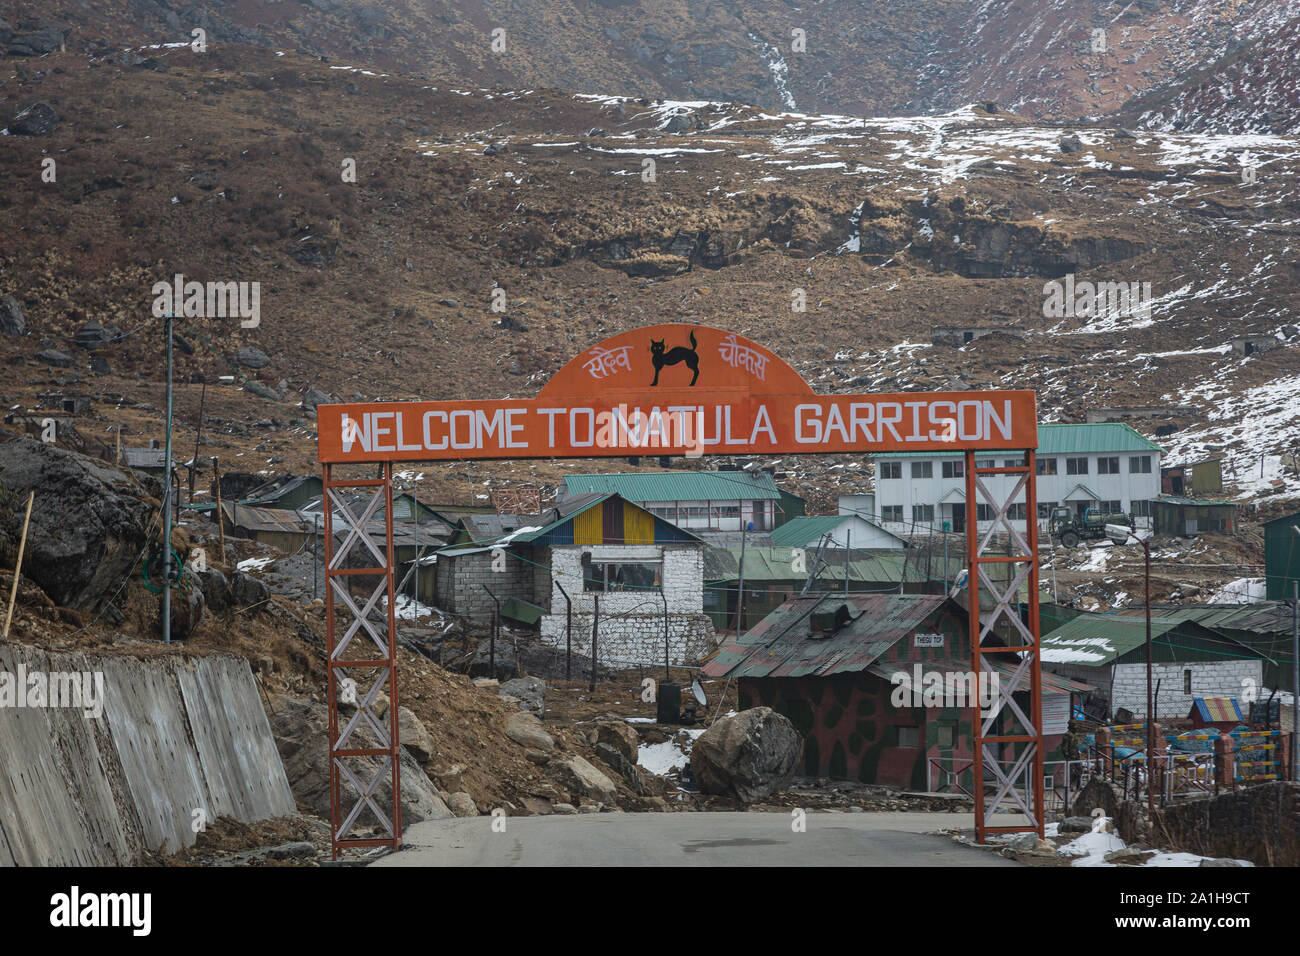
{"x": 679, "y": 353}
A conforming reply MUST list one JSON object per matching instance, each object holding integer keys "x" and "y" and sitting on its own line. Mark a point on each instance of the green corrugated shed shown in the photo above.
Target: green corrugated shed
{"x": 679, "y": 486}
{"x": 1281, "y": 556}
{"x": 1097, "y": 640}
{"x": 1064, "y": 440}
{"x": 799, "y": 532}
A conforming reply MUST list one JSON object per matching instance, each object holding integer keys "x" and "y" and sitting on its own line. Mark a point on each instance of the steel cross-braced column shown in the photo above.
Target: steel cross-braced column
{"x": 1007, "y": 741}
{"x": 365, "y": 752}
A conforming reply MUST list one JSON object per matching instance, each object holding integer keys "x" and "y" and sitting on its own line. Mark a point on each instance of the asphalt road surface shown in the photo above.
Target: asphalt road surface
{"x": 692, "y": 839}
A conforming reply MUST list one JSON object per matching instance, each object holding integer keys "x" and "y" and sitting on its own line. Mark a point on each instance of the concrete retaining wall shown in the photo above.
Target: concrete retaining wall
{"x": 177, "y": 735}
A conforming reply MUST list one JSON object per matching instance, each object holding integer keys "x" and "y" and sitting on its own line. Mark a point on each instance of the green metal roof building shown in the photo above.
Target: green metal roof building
{"x": 1067, "y": 440}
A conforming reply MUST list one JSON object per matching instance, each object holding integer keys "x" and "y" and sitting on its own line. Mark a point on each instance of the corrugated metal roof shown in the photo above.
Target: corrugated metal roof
{"x": 780, "y": 645}
{"x": 1096, "y": 639}
{"x": 777, "y": 564}
{"x": 679, "y": 486}
{"x": 1264, "y": 617}
{"x": 1065, "y": 440}
{"x": 800, "y": 531}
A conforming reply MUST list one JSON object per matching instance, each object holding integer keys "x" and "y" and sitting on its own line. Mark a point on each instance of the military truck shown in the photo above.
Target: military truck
{"x": 1070, "y": 530}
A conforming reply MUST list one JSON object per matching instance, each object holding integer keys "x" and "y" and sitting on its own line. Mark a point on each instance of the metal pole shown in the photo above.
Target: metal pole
{"x": 568, "y": 632}
{"x": 1151, "y": 717}
{"x": 1295, "y": 672}
{"x": 740, "y": 581}
{"x": 848, "y": 545}
{"x": 194, "y": 465}
{"x": 415, "y": 511}
{"x": 167, "y": 500}
{"x": 315, "y": 547}
{"x": 595, "y": 627}
{"x": 492, "y": 640}
{"x": 664, "y": 597}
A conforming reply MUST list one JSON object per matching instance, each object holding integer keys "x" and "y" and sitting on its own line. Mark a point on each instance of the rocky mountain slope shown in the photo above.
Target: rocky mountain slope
{"x": 1063, "y": 59}
{"x": 229, "y": 166}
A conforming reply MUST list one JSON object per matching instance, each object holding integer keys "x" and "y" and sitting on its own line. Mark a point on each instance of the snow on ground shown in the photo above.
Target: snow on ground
{"x": 408, "y": 608}
{"x": 1240, "y": 591}
{"x": 1090, "y": 849}
{"x": 1097, "y": 557}
{"x": 253, "y": 564}
{"x": 1254, "y": 425}
{"x": 668, "y": 756}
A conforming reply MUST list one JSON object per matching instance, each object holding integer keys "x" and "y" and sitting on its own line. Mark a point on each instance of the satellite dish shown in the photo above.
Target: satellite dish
{"x": 698, "y": 691}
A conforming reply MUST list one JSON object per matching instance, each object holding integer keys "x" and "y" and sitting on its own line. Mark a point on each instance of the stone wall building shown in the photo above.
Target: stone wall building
{"x": 595, "y": 560}
{"x": 1189, "y": 660}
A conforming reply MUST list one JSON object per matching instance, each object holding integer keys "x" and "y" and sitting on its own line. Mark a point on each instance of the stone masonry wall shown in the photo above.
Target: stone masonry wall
{"x": 1227, "y": 678}
{"x": 631, "y": 622}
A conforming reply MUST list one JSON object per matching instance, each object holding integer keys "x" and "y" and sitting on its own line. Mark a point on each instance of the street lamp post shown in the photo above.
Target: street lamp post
{"x": 1125, "y": 535}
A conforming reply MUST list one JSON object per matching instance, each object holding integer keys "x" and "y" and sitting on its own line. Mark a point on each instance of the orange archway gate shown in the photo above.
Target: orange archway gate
{"x": 676, "y": 390}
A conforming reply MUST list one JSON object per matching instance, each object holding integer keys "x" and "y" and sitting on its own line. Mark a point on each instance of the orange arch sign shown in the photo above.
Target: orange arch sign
{"x": 676, "y": 390}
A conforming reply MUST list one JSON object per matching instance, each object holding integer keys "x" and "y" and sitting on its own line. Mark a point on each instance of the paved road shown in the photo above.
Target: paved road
{"x": 692, "y": 839}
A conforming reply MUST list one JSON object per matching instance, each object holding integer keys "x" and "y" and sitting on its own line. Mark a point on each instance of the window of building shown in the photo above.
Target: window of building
{"x": 1045, "y": 509}
{"x": 892, "y": 513}
{"x": 1108, "y": 466}
{"x": 1110, "y": 507}
{"x": 605, "y": 576}
{"x": 983, "y": 512}
{"x": 909, "y": 737}
{"x": 922, "y": 469}
{"x": 946, "y": 736}
{"x": 954, "y": 469}
{"x": 1013, "y": 463}
{"x": 729, "y": 511}
{"x": 987, "y": 463}
{"x": 923, "y": 514}
{"x": 1142, "y": 509}
{"x": 1016, "y": 512}
{"x": 1047, "y": 466}
{"x": 1139, "y": 464}
{"x": 891, "y": 469}
{"x": 1076, "y": 466}
{"x": 1187, "y": 682}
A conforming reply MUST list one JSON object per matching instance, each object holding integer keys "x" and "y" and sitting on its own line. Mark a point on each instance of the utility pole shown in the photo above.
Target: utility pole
{"x": 848, "y": 546}
{"x": 1151, "y": 717}
{"x": 167, "y": 500}
{"x": 1295, "y": 672}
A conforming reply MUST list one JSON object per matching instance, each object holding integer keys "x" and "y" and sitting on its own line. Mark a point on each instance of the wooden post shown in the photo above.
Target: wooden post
{"x": 18, "y": 565}
{"x": 221, "y": 530}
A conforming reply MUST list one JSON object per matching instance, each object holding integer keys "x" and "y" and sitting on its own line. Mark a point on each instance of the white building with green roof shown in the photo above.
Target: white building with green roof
{"x": 1107, "y": 467}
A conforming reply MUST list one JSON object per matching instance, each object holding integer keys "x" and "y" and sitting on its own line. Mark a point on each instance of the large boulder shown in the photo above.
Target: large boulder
{"x": 12, "y": 321}
{"x": 300, "y": 731}
{"x": 621, "y": 737}
{"x": 89, "y": 522}
{"x": 413, "y": 735}
{"x": 36, "y": 120}
{"x": 749, "y": 756}
{"x": 250, "y": 357}
{"x": 578, "y": 776}
{"x": 48, "y": 39}
{"x": 526, "y": 730}
{"x": 529, "y": 691}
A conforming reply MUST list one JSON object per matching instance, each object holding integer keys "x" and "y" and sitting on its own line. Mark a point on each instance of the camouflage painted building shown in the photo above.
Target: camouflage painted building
{"x": 831, "y": 663}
